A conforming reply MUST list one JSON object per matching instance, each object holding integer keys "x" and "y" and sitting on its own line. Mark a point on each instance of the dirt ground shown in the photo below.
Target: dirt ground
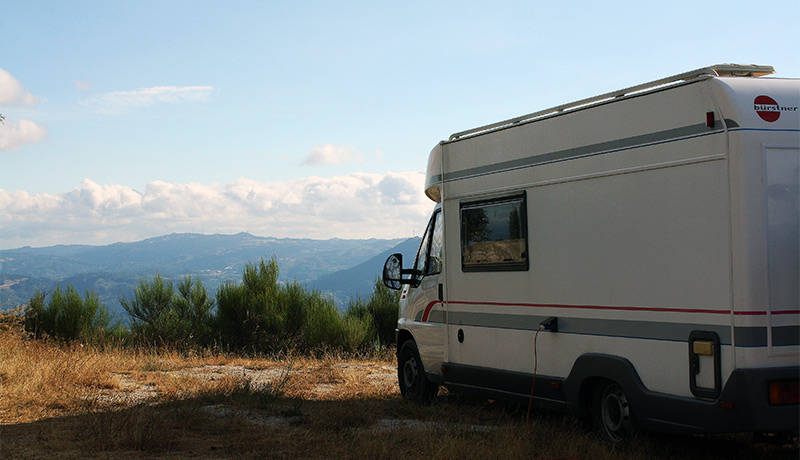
{"x": 77, "y": 402}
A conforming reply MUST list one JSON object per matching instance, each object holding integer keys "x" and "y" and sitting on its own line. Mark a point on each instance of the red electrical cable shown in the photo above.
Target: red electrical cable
{"x": 535, "y": 363}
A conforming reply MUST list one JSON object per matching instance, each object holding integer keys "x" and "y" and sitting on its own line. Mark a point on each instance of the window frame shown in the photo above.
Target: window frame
{"x": 521, "y": 199}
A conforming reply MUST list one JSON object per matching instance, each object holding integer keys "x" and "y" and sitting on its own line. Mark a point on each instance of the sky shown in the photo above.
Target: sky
{"x": 126, "y": 120}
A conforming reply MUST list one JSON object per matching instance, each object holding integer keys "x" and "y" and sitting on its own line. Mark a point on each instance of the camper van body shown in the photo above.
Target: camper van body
{"x": 632, "y": 257}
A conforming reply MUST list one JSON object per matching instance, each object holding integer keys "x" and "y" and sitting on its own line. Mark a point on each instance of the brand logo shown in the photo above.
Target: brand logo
{"x": 768, "y": 109}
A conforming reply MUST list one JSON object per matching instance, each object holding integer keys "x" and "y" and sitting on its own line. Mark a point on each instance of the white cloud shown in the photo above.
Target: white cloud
{"x": 13, "y": 135}
{"x": 124, "y": 101}
{"x": 359, "y": 205}
{"x": 330, "y": 154}
{"x": 13, "y": 93}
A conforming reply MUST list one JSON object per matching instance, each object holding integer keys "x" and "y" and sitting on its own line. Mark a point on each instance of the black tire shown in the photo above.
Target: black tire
{"x": 612, "y": 415}
{"x": 414, "y": 385}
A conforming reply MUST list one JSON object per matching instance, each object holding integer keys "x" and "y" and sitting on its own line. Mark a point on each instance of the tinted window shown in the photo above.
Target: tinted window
{"x": 494, "y": 234}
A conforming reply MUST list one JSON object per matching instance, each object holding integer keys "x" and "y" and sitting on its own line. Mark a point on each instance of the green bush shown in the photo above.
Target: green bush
{"x": 327, "y": 330}
{"x": 246, "y": 313}
{"x": 160, "y": 315}
{"x": 357, "y": 334}
{"x": 293, "y": 299}
{"x": 380, "y": 312}
{"x": 259, "y": 314}
{"x": 194, "y": 308}
{"x": 323, "y": 329}
{"x": 263, "y": 314}
{"x": 68, "y": 316}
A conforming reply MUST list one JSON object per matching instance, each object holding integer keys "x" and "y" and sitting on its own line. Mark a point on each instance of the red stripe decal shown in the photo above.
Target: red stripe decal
{"x": 428, "y": 310}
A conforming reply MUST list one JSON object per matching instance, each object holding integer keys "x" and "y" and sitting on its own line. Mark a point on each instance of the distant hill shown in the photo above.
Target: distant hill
{"x": 181, "y": 253}
{"x": 113, "y": 270}
{"x": 359, "y": 280}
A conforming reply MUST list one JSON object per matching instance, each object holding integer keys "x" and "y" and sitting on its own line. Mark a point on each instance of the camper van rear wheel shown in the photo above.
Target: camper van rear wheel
{"x": 414, "y": 385}
{"x": 612, "y": 415}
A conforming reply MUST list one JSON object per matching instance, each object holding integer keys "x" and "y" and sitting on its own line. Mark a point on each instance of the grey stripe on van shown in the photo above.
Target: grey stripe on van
{"x": 679, "y": 332}
{"x": 586, "y": 151}
{"x": 785, "y": 335}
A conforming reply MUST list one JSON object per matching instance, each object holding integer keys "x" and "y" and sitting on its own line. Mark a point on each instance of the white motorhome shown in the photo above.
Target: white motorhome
{"x": 632, "y": 258}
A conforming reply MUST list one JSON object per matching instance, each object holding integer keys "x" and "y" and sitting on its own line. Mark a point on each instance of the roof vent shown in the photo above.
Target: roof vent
{"x": 742, "y": 70}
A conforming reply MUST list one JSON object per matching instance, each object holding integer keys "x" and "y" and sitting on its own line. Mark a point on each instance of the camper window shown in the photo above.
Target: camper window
{"x": 494, "y": 234}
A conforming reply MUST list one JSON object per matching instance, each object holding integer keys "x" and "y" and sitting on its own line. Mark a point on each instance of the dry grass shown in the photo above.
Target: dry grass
{"x": 41, "y": 380}
{"x": 81, "y": 402}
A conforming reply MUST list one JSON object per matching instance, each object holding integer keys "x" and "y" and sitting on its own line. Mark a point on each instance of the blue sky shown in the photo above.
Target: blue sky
{"x": 126, "y": 120}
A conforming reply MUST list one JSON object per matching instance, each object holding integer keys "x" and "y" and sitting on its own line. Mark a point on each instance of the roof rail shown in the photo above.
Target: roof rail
{"x": 719, "y": 70}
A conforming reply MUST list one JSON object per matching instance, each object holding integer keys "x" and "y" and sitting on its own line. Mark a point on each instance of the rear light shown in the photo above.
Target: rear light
{"x": 784, "y": 393}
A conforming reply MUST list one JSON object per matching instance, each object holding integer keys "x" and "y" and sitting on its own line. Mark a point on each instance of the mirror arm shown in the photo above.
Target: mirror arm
{"x": 414, "y": 279}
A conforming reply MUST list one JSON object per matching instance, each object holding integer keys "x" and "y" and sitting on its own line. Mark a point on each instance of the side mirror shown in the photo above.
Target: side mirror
{"x": 393, "y": 271}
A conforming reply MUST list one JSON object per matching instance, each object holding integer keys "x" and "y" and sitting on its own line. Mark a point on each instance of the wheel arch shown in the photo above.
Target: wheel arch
{"x": 411, "y": 375}
{"x": 403, "y": 335}
{"x": 591, "y": 370}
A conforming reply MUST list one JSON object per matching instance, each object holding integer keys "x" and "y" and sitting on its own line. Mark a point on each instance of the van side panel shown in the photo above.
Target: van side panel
{"x": 629, "y": 239}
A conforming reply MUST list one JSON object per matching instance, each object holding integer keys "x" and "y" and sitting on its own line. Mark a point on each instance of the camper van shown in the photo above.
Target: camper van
{"x": 631, "y": 258}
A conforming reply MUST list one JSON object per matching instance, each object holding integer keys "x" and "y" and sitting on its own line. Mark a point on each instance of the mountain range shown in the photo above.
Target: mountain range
{"x": 344, "y": 268}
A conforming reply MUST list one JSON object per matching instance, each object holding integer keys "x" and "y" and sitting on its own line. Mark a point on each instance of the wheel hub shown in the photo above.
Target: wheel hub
{"x": 616, "y": 413}
{"x": 410, "y": 373}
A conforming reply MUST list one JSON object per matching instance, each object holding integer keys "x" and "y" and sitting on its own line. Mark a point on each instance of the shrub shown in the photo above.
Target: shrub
{"x": 323, "y": 326}
{"x": 247, "y": 312}
{"x": 160, "y": 315}
{"x": 263, "y": 314}
{"x": 380, "y": 312}
{"x": 68, "y": 316}
{"x": 260, "y": 314}
{"x": 294, "y": 302}
{"x": 356, "y": 334}
{"x": 326, "y": 329}
{"x": 194, "y": 310}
